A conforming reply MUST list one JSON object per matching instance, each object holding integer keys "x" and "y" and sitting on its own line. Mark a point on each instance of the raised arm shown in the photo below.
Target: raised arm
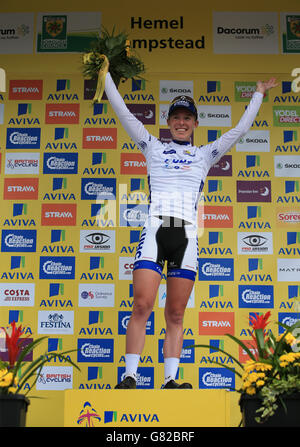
{"x": 230, "y": 138}
{"x": 131, "y": 124}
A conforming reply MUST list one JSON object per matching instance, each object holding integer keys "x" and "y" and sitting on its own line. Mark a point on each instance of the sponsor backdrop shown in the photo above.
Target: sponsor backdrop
{"x": 74, "y": 188}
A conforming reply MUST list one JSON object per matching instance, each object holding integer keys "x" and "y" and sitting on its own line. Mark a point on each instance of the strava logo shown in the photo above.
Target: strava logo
{"x": 215, "y": 217}
{"x": 216, "y": 323}
{"x": 26, "y": 89}
{"x": 133, "y": 164}
{"x": 21, "y": 189}
{"x": 58, "y": 214}
{"x": 99, "y": 138}
{"x": 62, "y": 114}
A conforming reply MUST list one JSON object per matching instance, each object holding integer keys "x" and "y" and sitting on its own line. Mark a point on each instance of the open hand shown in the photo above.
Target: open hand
{"x": 262, "y": 87}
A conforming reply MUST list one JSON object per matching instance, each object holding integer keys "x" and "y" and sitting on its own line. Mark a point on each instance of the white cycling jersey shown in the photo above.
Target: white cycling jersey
{"x": 177, "y": 171}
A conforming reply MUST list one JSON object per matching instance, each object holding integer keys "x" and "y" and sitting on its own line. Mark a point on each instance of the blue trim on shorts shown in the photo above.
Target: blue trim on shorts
{"x": 147, "y": 265}
{"x": 182, "y": 273}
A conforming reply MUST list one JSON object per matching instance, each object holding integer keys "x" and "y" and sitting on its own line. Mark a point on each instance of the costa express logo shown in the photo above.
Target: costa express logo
{"x": 96, "y": 138}
{"x": 216, "y": 323}
{"x": 26, "y": 89}
{"x": 62, "y": 114}
{"x": 58, "y": 214}
{"x": 20, "y": 188}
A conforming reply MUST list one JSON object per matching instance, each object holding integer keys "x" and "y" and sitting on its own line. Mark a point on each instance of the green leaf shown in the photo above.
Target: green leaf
{"x": 239, "y": 342}
{"x": 260, "y": 338}
{"x": 218, "y": 350}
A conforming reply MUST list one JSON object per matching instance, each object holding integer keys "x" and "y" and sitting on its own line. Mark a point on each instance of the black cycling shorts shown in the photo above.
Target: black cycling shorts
{"x": 171, "y": 240}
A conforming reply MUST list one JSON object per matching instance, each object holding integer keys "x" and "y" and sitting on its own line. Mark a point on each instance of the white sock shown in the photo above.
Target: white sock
{"x": 132, "y": 361}
{"x": 171, "y": 366}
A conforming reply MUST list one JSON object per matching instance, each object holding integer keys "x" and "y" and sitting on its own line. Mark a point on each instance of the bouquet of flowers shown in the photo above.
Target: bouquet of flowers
{"x": 16, "y": 373}
{"x": 114, "y": 53}
{"x": 273, "y": 368}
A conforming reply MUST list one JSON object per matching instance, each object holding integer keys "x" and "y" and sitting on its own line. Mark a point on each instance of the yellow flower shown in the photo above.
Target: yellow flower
{"x": 246, "y": 384}
{"x": 6, "y": 379}
{"x": 13, "y": 389}
{"x": 260, "y": 383}
{"x": 283, "y": 364}
{"x": 257, "y": 366}
{"x": 2, "y": 372}
{"x": 288, "y": 358}
{"x": 127, "y": 48}
{"x": 253, "y": 377}
{"x": 289, "y": 338}
{"x": 251, "y": 390}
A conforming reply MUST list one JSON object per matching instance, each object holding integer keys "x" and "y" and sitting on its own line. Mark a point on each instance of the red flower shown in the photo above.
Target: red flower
{"x": 13, "y": 343}
{"x": 259, "y": 321}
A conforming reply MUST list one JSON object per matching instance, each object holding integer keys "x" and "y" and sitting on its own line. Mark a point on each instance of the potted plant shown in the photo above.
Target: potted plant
{"x": 111, "y": 52}
{"x": 17, "y": 372}
{"x": 270, "y": 379}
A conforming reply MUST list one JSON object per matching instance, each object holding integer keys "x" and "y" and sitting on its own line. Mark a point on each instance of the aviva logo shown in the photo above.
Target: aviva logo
{"x": 291, "y": 186}
{"x": 215, "y": 185}
{"x": 138, "y": 84}
{"x": 19, "y": 209}
{"x": 58, "y": 236}
{"x": 56, "y": 289}
{"x": 294, "y": 292}
{"x": 216, "y": 345}
{"x": 290, "y": 135}
{"x": 293, "y": 237}
{"x": 95, "y": 316}
{"x": 24, "y": 109}
{"x": 252, "y": 161}
{"x": 213, "y": 86}
{"x": 112, "y": 416}
{"x": 216, "y": 290}
{"x": 213, "y": 134}
{"x": 255, "y": 264}
{"x": 17, "y": 262}
{"x": 96, "y": 262}
{"x": 253, "y": 212}
{"x": 63, "y": 84}
{"x": 215, "y": 237}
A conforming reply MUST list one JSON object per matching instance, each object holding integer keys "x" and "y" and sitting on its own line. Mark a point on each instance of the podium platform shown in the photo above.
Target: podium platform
{"x": 146, "y": 408}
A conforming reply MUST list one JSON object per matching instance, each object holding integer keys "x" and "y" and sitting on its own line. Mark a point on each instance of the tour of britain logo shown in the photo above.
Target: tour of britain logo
{"x": 89, "y": 417}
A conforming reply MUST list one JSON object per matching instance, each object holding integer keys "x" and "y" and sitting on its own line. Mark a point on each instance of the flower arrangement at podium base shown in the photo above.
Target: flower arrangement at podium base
{"x": 17, "y": 373}
{"x": 270, "y": 379}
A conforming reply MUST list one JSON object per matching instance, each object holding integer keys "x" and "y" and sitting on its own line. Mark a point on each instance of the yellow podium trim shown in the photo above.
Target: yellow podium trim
{"x": 147, "y": 408}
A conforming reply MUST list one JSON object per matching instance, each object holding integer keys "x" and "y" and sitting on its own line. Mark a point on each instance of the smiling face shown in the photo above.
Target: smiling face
{"x": 182, "y": 124}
